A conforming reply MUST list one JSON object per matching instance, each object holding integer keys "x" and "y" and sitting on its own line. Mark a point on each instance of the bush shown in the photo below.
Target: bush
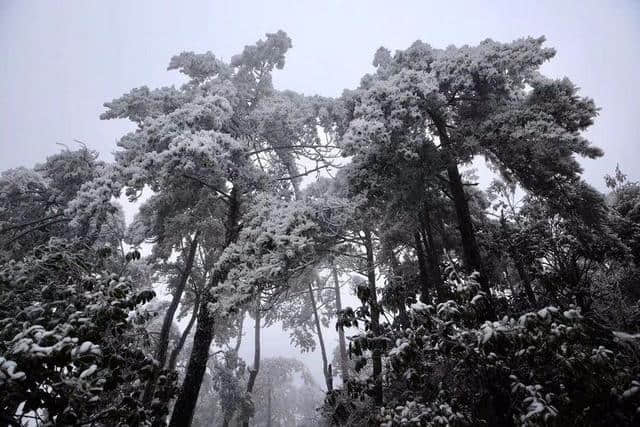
{"x": 71, "y": 344}
{"x": 553, "y": 366}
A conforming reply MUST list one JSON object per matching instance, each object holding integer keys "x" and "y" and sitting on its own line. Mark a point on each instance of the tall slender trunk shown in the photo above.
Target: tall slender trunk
{"x": 375, "y": 319}
{"x": 163, "y": 341}
{"x": 470, "y": 247}
{"x": 188, "y": 396}
{"x": 173, "y": 358}
{"x": 253, "y": 373}
{"x": 432, "y": 252}
{"x": 344, "y": 361}
{"x": 326, "y": 368}
{"x": 465, "y": 225}
{"x": 185, "y": 404}
{"x": 228, "y": 415}
{"x": 295, "y": 182}
{"x": 422, "y": 268}
{"x": 236, "y": 348}
{"x": 161, "y": 352}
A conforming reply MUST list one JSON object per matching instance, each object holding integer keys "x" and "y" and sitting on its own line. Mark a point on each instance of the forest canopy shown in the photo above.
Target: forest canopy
{"x": 515, "y": 304}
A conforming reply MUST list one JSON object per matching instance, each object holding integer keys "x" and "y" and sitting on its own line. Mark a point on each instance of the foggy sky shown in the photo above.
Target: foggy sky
{"x": 61, "y": 60}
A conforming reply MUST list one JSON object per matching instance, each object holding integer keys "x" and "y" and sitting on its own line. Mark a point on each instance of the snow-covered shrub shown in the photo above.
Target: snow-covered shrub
{"x": 70, "y": 350}
{"x": 553, "y": 366}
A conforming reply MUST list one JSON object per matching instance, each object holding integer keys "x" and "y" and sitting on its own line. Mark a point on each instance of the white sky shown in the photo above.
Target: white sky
{"x": 61, "y": 60}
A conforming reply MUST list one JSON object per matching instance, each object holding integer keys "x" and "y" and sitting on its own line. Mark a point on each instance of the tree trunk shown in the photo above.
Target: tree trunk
{"x": 295, "y": 182}
{"x": 236, "y": 349}
{"x": 470, "y": 248}
{"x": 344, "y": 361}
{"x": 173, "y": 358}
{"x": 422, "y": 268}
{"x": 161, "y": 352}
{"x": 185, "y": 404}
{"x": 432, "y": 255}
{"x": 375, "y": 319}
{"x": 163, "y": 341}
{"x": 469, "y": 244}
{"x": 326, "y": 368}
{"x": 253, "y": 373}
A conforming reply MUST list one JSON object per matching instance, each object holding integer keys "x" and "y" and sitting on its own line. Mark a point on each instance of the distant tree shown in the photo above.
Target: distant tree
{"x": 285, "y": 394}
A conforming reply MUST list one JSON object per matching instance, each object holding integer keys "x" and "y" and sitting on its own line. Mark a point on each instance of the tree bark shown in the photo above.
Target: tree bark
{"x": 422, "y": 268}
{"x": 470, "y": 249}
{"x": 185, "y": 404}
{"x": 173, "y": 358}
{"x": 236, "y": 349}
{"x": 344, "y": 361}
{"x": 161, "y": 352}
{"x": 253, "y": 373}
{"x": 432, "y": 253}
{"x": 326, "y": 368}
{"x": 163, "y": 341}
{"x": 375, "y": 319}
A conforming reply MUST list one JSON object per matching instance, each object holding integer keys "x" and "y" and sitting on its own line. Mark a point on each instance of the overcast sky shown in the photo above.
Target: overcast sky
{"x": 61, "y": 60}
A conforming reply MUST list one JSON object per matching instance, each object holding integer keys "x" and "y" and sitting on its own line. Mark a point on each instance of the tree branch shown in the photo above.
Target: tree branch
{"x": 206, "y": 184}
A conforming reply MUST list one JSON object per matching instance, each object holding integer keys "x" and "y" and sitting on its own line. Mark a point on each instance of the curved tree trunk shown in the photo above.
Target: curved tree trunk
{"x": 185, "y": 404}
{"x": 253, "y": 373}
{"x": 236, "y": 348}
{"x": 163, "y": 341}
{"x": 470, "y": 248}
{"x": 188, "y": 396}
{"x": 173, "y": 358}
{"x": 344, "y": 362}
{"x": 228, "y": 415}
{"x": 161, "y": 352}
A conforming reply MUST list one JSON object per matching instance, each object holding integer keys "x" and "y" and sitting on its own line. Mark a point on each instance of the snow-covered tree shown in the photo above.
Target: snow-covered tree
{"x": 461, "y": 102}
